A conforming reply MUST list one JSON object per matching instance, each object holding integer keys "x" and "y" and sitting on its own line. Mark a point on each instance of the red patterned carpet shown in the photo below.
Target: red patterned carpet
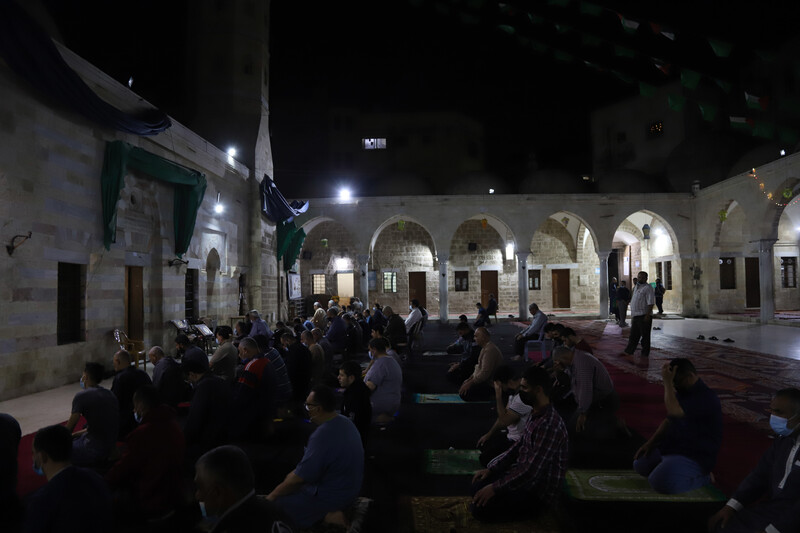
{"x": 744, "y": 380}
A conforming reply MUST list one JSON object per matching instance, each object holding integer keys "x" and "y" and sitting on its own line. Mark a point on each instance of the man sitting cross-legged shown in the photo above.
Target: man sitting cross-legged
{"x": 681, "y": 453}
{"x": 511, "y": 416}
{"x": 526, "y": 478}
{"x": 328, "y": 478}
{"x": 478, "y": 386}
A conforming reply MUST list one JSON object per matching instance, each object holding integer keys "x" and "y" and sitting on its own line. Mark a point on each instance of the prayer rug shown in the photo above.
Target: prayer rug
{"x": 452, "y": 462}
{"x": 627, "y": 485}
{"x": 431, "y": 354}
{"x": 441, "y": 399}
{"x": 438, "y": 514}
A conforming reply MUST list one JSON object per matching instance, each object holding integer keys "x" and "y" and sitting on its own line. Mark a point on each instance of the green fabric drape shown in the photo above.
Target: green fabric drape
{"x": 294, "y": 249}
{"x": 189, "y": 189}
{"x": 286, "y": 231}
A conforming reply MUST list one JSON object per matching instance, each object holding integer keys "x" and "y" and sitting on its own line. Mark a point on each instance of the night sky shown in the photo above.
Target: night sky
{"x": 517, "y": 67}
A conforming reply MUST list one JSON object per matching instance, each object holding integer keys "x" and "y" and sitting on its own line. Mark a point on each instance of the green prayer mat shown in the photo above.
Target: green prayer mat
{"x": 437, "y": 514}
{"x": 627, "y": 485}
{"x": 452, "y": 462}
{"x": 440, "y": 398}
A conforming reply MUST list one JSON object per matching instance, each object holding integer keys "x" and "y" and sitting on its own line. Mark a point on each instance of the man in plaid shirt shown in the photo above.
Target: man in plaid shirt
{"x": 529, "y": 475}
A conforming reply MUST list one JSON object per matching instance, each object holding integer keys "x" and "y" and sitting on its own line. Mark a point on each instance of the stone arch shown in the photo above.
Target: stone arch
{"x": 792, "y": 187}
{"x": 396, "y": 219}
{"x": 731, "y": 230}
{"x": 490, "y": 238}
{"x": 329, "y": 248}
{"x": 786, "y": 256}
{"x": 399, "y": 247}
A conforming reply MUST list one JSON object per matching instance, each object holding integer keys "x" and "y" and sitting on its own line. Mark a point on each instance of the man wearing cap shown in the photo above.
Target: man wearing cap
{"x": 207, "y": 423}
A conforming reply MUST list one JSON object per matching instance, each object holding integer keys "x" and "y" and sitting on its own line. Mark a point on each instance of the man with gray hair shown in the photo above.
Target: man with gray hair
{"x": 226, "y": 489}
{"x": 167, "y": 377}
{"x": 259, "y": 325}
{"x": 532, "y": 332}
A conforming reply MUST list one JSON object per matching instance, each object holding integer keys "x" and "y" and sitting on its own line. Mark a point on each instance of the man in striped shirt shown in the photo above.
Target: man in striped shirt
{"x": 527, "y": 478}
{"x": 642, "y": 302}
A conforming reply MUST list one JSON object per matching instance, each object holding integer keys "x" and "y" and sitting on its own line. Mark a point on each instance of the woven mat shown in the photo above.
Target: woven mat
{"x": 441, "y": 398}
{"x": 450, "y": 514}
{"x": 431, "y": 354}
{"x": 452, "y": 462}
{"x": 627, "y": 485}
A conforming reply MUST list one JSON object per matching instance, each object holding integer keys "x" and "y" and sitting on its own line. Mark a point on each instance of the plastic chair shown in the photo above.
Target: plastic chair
{"x": 134, "y": 347}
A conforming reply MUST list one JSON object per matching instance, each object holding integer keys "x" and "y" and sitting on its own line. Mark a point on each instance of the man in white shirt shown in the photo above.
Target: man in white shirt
{"x": 511, "y": 416}
{"x": 642, "y": 302}
{"x": 414, "y": 316}
{"x": 533, "y": 332}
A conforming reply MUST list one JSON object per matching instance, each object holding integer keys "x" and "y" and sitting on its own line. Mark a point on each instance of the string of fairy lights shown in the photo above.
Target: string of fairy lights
{"x": 787, "y": 197}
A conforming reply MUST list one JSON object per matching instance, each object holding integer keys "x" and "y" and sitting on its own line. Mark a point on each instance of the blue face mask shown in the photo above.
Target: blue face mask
{"x": 83, "y": 383}
{"x": 779, "y": 425}
{"x": 37, "y": 469}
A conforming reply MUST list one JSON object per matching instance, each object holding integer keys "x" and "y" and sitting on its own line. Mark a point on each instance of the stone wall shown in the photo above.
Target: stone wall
{"x": 338, "y": 245}
{"x": 552, "y": 248}
{"x": 50, "y": 166}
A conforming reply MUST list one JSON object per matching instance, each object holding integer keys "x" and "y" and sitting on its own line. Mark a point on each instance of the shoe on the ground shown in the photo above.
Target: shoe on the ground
{"x": 728, "y": 340}
{"x": 701, "y": 337}
{"x": 656, "y": 329}
{"x": 624, "y": 325}
{"x": 713, "y": 339}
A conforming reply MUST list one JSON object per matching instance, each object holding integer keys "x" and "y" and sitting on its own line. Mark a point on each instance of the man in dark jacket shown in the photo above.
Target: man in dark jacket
{"x": 355, "y": 400}
{"x": 395, "y": 331}
{"x": 206, "y": 425}
{"x": 128, "y": 380}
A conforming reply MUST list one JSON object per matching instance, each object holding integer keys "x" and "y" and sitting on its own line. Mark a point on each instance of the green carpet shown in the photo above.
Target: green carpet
{"x": 452, "y": 462}
{"x": 627, "y": 485}
{"x": 441, "y": 398}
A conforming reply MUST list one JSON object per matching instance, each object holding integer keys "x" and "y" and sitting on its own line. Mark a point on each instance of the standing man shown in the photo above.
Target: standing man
{"x": 533, "y": 332}
{"x": 328, "y": 478}
{"x": 642, "y": 303}
{"x": 623, "y": 299}
{"x": 683, "y": 450}
{"x": 659, "y": 291}
{"x": 774, "y": 484}
{"x": 527, "y": 478}
{"x": 612, "y": 298}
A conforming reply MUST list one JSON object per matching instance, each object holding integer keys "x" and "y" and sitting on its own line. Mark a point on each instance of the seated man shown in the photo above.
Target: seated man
{"x": 769, "y": 497}
{"x": 206, "y": 425}
{"x": 167, "y": 377}
{"x": 512, "y": 415}
{"x": 183, "y": 346}
{"x": 597, "y": 401}
{"x": 462, "y": 345}
{"x": 482, "y": 318}
{"x": 328, "y": 478}
{"x": 254, "y": 400}
{"x": 100, "y": 408}
{"x": 337, "y": 330}
{"x": 414, "y": 316}
{"x": 385, "y": 379}
{"x": 128, "y": 379}
{"x": 532, "y": 332}
{"x": 258, "y": 325}
{"x": 573, "y": 340}
{"x": 223, "y": 362}
{"x": 478, "y": 386}
{"x": 69, "y": 489}
{"x": 150, "y": 466}
{"x": 297, "y": 358}
{"x": 683, "y": 450}
{"x": 356, "y": 404}
{"x": 395, "y": 329}
{"x": 527, "y": 478}
{"x": 318, "y": 367}
{"x": 226, "y": 489}
{"x": 491, "y": 308}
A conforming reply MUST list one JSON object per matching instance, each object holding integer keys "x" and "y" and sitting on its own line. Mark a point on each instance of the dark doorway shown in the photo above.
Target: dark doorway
{"x": 134, "y": 295}
{"x": 561, "y": 288}
{"x": 613, "y": 265}
{"x": 752, "y": 283}
{"x": 488, "y": 286}
{"x": 416, "y": 288}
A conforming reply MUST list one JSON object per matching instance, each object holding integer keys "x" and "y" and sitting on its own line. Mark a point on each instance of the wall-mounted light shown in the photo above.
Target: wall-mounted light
{"x": 177, "y": 262}
{"x": 491, "y": 191}
{"x": 344, "y": 194}
{"x": 342, "y": 263}
{"x": 232, "y": 151}
{"x": 646, "y": 231}
{"x": 219, "y": 208}
{"x": 14, "y": 244}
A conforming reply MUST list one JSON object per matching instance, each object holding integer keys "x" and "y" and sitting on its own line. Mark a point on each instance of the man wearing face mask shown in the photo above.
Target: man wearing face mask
{"x": 100, "y": 408}
{"x": 150, "y": 466}
{"x": 385, "y": 379}
{"x": 774, "y": 484}
{"x": 526, "y": 478}
{"x": 682, "y": 452}
{"x": 53, "y": 508}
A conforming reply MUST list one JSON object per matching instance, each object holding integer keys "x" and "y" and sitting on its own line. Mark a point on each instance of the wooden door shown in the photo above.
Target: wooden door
{"x": 561, "y": 288}
{"x": 488, "y": 286}
{"x": 134, "y": 296}
{"x": 416, "y": 288}
{"x": 752, "y": 282}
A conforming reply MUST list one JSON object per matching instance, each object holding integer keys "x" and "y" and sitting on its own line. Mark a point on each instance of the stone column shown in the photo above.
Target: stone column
{"x": 363, "y": 281}
{"x": 443, "y": 308}
{"x": 766, "y": 275}
{"x": 603, "y": 256}
{"x": 522, "y": 283}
